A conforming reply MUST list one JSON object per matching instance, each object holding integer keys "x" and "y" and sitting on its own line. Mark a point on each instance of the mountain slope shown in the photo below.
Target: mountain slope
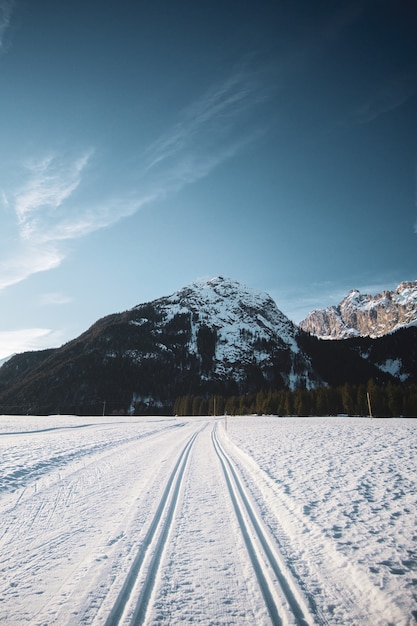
{"x": 212, "y": 337}
{"x": 364, "y": 315}
{"x": 230, "y": 327}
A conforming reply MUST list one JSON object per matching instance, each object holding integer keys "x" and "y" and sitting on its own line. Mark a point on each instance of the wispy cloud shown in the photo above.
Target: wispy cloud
{"x": 57, "y": 202}
{"x": 15, "y": 341}
{"x": 39, "y": 207}
{"x": 6, "y": 11}
{"x": 390, "y": 95}
{"x": 209, "y": 131}
{"x": 51, "y": 208}
{"x": 55, "y": 298}
{"x": 28, "y": 260}
{"x": 51, "y": 181}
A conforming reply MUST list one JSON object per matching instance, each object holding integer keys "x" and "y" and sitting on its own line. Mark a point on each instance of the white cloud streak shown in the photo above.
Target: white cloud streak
{"x": 16, "y": 341}
{"x": 26, "y": 261}
{"x": 51, "y": 207}
{"x": 209, "y": 131}
{"x": 50, "y": 184}
{"x": 50, "y": 210}
{"x": 55, "y": 298}
{"x": 6, "y": 10}
{"x": 390, "y": 95}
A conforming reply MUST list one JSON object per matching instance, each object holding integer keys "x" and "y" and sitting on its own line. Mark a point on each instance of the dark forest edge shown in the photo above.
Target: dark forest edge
{"x": 388, "y": 401}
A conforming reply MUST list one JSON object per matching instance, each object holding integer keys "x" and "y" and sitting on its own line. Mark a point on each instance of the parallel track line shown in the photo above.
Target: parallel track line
{"x": 157, "y": 532}
{"x": 244, "y": 511}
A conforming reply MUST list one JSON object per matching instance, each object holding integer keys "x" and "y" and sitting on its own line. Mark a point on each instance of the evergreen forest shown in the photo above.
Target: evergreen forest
{"x": 390, "y": 400}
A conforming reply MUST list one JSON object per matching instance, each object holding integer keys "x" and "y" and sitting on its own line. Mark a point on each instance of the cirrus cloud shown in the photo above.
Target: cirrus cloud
{"x": 28, "y": 260}
{"x": 6, "y": 11}
{"x": 15, "y": 341}
{"x": 61, "y": 200}
{"x": 51, "y": 181}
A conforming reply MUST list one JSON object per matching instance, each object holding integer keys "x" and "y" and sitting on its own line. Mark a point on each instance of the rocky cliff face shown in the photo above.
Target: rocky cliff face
{"x": 364, "y": 315}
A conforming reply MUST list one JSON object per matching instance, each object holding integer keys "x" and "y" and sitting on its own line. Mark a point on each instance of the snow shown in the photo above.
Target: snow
{"x": 350, "y": 486}
{"x": 139, "y": 322}
{"x": 394, "y": 367}
{"x": 406, "y": 294}
{"x": 207, "y": 520}
{"x": 235, "y": 312}
{"x": 399, "y": 306}
{"x": 228, "y": 306}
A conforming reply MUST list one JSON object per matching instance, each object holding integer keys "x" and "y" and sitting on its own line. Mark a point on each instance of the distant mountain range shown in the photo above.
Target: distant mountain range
{"x": 211, "y": 337}
{"x": 362, "y": 315}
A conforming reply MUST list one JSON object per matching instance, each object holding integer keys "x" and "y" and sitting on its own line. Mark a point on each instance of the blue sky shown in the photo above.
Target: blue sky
{"x": 149, "y": 143}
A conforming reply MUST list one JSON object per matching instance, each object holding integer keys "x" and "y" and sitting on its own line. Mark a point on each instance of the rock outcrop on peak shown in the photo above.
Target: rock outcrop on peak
{"x": 363, "y": 315}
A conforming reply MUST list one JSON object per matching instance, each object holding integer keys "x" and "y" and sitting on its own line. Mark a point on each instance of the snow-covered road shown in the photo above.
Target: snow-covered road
{"x": 111, "y": 521}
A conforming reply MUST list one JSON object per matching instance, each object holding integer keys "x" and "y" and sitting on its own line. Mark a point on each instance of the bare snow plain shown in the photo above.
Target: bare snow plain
{"x": 237, "y": 520}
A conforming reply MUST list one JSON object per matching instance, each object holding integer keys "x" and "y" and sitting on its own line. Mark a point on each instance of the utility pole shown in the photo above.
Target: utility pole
{"x": 369, "y": 403}
{"x": 104, "y": 407}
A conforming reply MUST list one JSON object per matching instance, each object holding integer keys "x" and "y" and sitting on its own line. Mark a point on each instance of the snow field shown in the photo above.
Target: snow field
{"x": 138, "y": 518}
{"x": 340, "y": 496}
{"x": 207, "y": 577}
{"x": 67, "y": 535}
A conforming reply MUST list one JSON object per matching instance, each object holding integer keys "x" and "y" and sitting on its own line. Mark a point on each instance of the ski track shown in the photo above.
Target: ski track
{"x": 65, "y": 524}
{"x": 341, "y": 508}
{"x": 284, "y": 601}
{"x": 207, "y": 577}
{"x": 154, "y": 543}
{"x": 128, "y": 521}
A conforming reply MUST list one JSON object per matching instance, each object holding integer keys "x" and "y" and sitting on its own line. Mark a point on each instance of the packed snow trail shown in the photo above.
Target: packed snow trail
{"x": 166, "y": 506}
{"x": 171, "y": 521}
{"x": 279, "y": 592}
{"x": 207, "y": 576}
{"x": 76, "y": 512}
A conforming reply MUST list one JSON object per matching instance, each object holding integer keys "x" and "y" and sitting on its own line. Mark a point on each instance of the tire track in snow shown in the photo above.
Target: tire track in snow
{"x": 277, "y": 587}
{"x": 149, "y": 556}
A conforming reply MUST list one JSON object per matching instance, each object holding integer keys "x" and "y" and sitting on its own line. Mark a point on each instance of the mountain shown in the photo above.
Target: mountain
{"x": 213, "y": 337}
{"x": 362, "y": 315}
{"x": 6, "y": 359}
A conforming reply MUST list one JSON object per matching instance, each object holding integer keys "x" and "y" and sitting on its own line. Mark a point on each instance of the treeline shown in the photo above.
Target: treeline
{"x": 388, "y": 401}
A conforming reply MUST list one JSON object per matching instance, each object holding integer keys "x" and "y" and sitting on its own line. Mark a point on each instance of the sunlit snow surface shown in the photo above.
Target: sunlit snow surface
{"x": 337, "y": 498}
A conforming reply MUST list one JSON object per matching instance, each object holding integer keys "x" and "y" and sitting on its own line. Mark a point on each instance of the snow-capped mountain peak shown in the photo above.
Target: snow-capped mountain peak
{"x": 230, "y": 327}
{"x": 365, "y": 315}
{"x": 212, "y": 338}
{"x": 230, "y": 307}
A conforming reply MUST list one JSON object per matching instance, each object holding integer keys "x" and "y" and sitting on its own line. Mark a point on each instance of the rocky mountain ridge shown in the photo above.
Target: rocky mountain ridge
{"x": 363, "y": 315}
{"x": 213, "y": 337}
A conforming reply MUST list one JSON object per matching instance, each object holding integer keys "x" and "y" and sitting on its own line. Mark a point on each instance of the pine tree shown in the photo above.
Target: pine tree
{"x": 395, "y": 397}
{"x": 348, "y": 400}
{"x": 301, "y": 402}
